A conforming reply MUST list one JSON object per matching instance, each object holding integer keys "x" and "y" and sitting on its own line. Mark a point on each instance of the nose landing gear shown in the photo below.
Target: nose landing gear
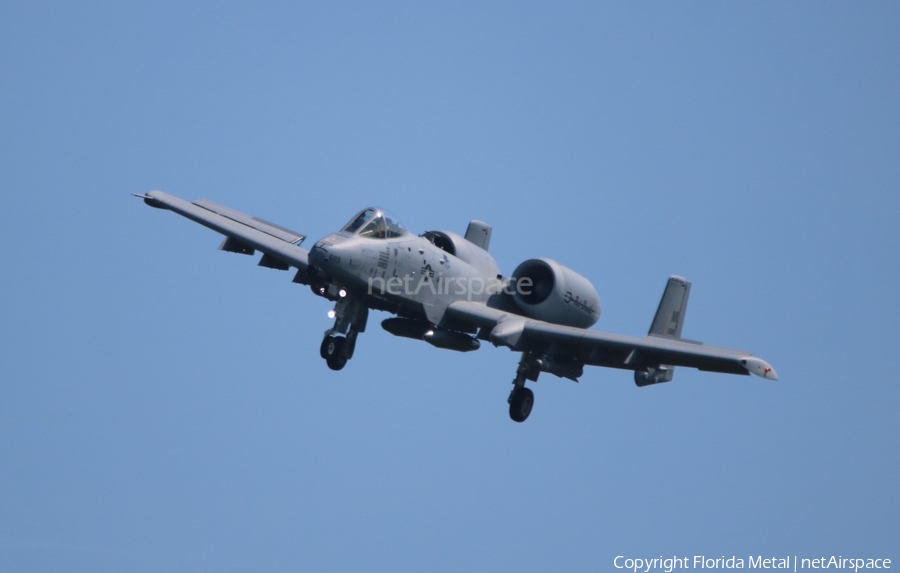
{"x": 350, "y": 319}
{"x": 333, "y": 351}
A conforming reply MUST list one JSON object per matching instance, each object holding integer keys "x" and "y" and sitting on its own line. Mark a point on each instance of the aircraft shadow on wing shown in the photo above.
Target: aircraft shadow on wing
{"x": 447, "y": 290}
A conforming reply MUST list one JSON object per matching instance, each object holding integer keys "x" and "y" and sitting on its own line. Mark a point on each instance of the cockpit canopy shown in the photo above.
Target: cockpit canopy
{"x": 375, "y": 223}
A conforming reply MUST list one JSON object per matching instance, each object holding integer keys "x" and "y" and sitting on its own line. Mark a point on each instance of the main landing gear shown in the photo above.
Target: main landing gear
{"x": 337, "y": 350}
{"x": 350, "y": 316}
{"x": 521, "y": 399}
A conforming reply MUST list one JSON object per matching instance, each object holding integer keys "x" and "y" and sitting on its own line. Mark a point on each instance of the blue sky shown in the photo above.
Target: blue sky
{"x": 163, "y": 405}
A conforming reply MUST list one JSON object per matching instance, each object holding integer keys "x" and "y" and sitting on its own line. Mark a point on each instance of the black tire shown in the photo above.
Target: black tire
{"x": 336, "y": 362}
{"x": 520, "y": 404}
{"x": 332, "y": 351}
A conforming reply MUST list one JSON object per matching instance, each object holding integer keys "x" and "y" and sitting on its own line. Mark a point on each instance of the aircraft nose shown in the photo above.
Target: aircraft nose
{"x": 332, "y": 259}
{"x": 327, "y": 252}
{"x": 318, "y": 255}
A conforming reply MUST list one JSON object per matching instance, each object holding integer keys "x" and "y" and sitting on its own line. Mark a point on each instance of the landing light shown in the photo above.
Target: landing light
{"x": 342, "y": 293}
{"x": 331, "y": 314}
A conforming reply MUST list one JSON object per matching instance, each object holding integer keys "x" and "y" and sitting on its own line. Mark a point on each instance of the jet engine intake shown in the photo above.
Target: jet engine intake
{"x": 546, "y": 290}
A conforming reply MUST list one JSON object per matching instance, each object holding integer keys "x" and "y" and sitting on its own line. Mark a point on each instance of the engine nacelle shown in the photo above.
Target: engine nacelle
{"x": 465, "y": 251}
{"x": 554, "y": 293}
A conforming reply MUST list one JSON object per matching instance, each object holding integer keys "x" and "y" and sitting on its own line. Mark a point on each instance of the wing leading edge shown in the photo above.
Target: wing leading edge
{"x": 604, "y": 349}
{"x": 244, "y": 234}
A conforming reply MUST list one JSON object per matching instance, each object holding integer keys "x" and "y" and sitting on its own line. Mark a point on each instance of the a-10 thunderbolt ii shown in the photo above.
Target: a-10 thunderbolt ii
{"x": 447, "y": 290}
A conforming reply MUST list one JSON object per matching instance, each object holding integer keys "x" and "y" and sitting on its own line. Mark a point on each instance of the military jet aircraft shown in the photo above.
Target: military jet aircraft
{"x": 447, "y": 290}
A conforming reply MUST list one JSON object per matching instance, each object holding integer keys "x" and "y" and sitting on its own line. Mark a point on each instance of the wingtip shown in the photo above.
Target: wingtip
{"x": 759, "y": 367}
{"x": 152, "y": 199}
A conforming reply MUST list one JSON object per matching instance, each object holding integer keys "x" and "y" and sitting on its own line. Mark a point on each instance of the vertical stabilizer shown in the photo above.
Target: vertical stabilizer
{"x": 672, "y": 307}
{"x": 479, "y": 234}
{"x": 667, "y": 323}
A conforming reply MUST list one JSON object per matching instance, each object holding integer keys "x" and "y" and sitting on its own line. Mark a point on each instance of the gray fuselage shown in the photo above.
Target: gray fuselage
{"x": 410, "y": 271}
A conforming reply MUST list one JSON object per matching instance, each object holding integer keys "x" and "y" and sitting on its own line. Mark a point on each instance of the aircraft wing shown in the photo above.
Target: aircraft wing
{"x": 244, "y": 234}
{"x": 654, "y": 354}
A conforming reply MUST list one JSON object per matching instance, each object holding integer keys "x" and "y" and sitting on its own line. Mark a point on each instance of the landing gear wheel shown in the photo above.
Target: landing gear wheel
{"x": 323, "y": 350}
{"x": 336, "y": 362}
{"x": 332, "y": 350}
{"x": 520, "y": 404}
